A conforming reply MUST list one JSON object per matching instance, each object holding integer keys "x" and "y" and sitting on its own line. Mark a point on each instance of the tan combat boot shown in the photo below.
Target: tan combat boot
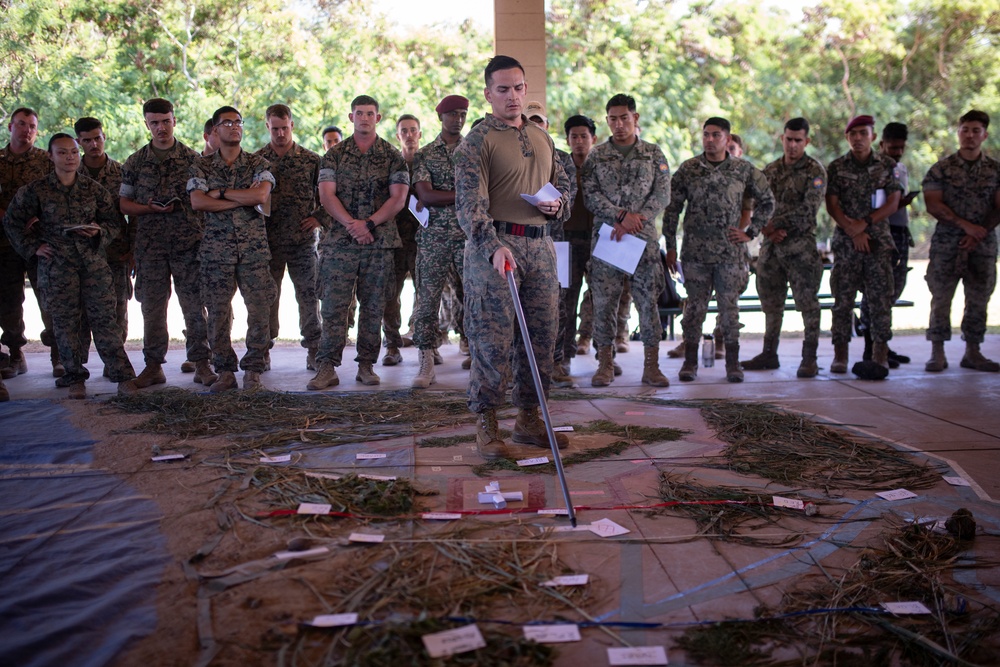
{"x": 78, "y": 390}
{"x": 689, "y": 369}
{"x": 488, "y": 440}
{"x": 529, "y": 429}
{"x": 251, "y": 380}
{"x": 840, "y": 358}
{"x": 127, "y": 388}
{"x": 188, "y": 367}
{"x": 150, "y": 375}
{"x": 311, "y": 359}
{"x": 621, "y": 344}
{"x": 392, "y": 357}
{"x": 938, "y": 362}
{"x": 425, "y": 376}
{"x": 733, "y": 371}
{"x": 203, "y": 373}
{"x": 58, "y": 370}
{"x": 651, "y": 373}
{"x": 366, "y": 375}
{"x": 226, "y": 382}
{"x": 808, "y": 368}
{"x": 975, "y": 360}
{"x": 326, "y": 377}
{"x": 605, "y": 374}
{"x": 676, "y": 352}
{"x": 560, "y": 375}
{"x": 880, "y": 353}
{"x": 583, "y": 345}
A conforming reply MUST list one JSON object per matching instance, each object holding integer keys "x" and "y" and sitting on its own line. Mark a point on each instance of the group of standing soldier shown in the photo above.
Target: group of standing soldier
{"x": 228, "y": 219}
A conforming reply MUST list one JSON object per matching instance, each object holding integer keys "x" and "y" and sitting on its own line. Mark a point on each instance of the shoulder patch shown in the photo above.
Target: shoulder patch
{"x": 818, "y": 182}
{"x": 664, "y": 167}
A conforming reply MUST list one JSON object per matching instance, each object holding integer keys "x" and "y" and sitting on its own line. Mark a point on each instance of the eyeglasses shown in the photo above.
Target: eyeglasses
{"x": 230, "y": 123}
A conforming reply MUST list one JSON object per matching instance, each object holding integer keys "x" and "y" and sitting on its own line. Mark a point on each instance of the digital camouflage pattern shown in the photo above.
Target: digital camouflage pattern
{"x": 293, "y": 199}
{"x": 440, "y": 245}
{"x": 969, "y": 190}
{"x": 714, "y": 196}
{"x": 799, "y": 190}
{"x": 166, "y": 246}
{"x": 854, "y": 184}
{"x": 900, "y": 232}
{"x": 638, "y": 183}
{"x": 234, "y": 253}
{"x": 404, "y": 260}
{"x": 77, "y": 281}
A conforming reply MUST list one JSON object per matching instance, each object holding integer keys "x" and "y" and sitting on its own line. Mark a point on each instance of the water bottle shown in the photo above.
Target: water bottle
{"x": 708, "y": 352}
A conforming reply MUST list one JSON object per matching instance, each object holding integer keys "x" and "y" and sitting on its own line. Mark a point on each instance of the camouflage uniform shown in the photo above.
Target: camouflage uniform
{"x": 120, "y": 249}
{"x": 639, "y": 183}
{"x": 404, "y": 261}
{"x": 484, "y": 193}
{"x": 166, "y": 245}
{"x": 586, "y": 329}
{"x": 234, "y": 252}
{"x": 440, "y": 246}
{"x": 968, "y": 189}
{"x": 854, "y": 184}
{"x": 77, "y": 279}
{"x": 293, "y": 199}
{"x": 578, "y": 232}
{"x": 363, "y": 181}
{"x": 799, "y": 191}
{"x": 558, "y": 232}
{"x": 16, "y": 170}
{"x": 714, "y": 195}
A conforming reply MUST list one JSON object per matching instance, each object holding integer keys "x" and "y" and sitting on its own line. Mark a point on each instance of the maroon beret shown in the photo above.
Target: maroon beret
{"x": 451, "y": 103}
{"x": 860, "y": 121}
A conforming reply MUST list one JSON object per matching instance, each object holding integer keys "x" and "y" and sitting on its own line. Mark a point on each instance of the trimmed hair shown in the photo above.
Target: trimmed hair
{"x": 407, "y": 116}
{"x": 975, "y": 116}
{"x": 497, "y": 64}
{"x": 157, "y": 105}
{"x": 797, "y": 125}
{"x": 27, "y": 111}
{"x": 329, "y": 129}
{"x": 364, "y": 100}
{"x": 221, "y": 110}
{"x": 718, "y": 122}
{"x": 895, "y": 131}
{"x": 621, "y": 100}
{"x": 209, "y": 126}
{"x": 59, "y": 135}
{"x": 278, "y": 110}
{"x": 87, "y": 124}
{"x": 580, "y": 121}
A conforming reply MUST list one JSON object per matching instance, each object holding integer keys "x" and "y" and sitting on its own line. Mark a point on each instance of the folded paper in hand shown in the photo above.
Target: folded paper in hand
{"x": 422, "y": 215}
{"x": 624, "y": 254}
{"x": 547, "y": 192}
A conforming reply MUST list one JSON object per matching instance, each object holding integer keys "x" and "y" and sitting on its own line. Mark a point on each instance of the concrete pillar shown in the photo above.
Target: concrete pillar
{"x": 520, "y": 33}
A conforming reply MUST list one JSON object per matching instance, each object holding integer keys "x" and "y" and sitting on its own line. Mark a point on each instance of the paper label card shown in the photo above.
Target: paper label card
{"x": 370, "y": 456}
{"x": 439, "y": 516}
{"x": 790, "y": 503}
{"x": 956, "y": 481}
{"x": 568, "y": 580}
{"x": 314, "y": 508}
{"x": 607, "y": 528}
{"x": 168, "y": 457}
{"x": 366, "y": 537}
{"x": 537, "y": 461}
{"x": 308, "y": 553}
{"x": 555, "y": 510}
{"x": 452, "y": 642}
{"x": 563, "y": 429}
{"x": 322, "y": 475}
{"x": 421, "y": 213}
{"x": 283, "y": 458}
{"x": 552, "y": 634}
{"x": 571, "y": 529}
{"x": 905, "y": 608}
{"x": 379, "y": 478}
{"x": 638, "y": 655}
{"x": 334, "y": 620}
{"x": 896, "y": 494}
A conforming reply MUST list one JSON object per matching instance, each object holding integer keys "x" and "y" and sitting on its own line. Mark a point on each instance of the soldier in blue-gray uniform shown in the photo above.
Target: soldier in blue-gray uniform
{"x": 228, "y": 186}
{"x": 626, "y": 184}
{"x": 962, "y": 192}
{"x": 862, "y": 192}
{"x": 714, "y": 186}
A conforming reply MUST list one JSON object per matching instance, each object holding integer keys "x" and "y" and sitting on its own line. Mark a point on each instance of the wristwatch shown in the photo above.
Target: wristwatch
{"x": 370, "y": 225}
{"x": 222, "y": 193}
{"x": 749, "y": 231}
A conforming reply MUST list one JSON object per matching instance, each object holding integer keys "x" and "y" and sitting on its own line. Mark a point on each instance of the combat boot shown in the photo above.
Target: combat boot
{"x": 765, "y": 361}
{"x": 689, "y": 369}
{"x": 840, "y": 358}
{"x": 488, "y": 441}
{"x": 311, "y": 359}
{"x": 267, "y": 359}
{"x": 392, "y": 357}
{"x": 651, "y": 373}
{"x": 251, "y": 380}
{"x": 78, "y": 390}
{"x": 733, "y": 371}
{"x": 529, "y": 429}
{"x": 938, "y": 362}
{"x": 720, "y": 351}
{"x": 466, "y": 363}
{"x": 18, "y": 364}
{"x": 621, "y": 344}
{"x": 880, "y": 353}
{"x": 975, "y": 360}
{"x": 583, "y": 345}
{"x": 425, "y": 376}
{"x": 676, "y": 352}
{"x": 6, "y": 370}
{"x": 188, "y": 367}
{"x": 326, "y": 377}
{"x": 808, "y": 368}
{"x": 366, "y": 375}
{"x": 127, "y": 388}
{"x": 561, "y": 377}
{"x": 150, "y": 375}
{"x": 58, "y": 370}
{"x": 203, "y": 373}
{"x": 4, "y": 394}
{"x": 226, "y": 382}
{"x": 438, "y": 359}
{"x": 605, "y": 374}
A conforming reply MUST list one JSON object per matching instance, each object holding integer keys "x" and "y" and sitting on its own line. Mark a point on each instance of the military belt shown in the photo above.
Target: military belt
{"x": 514, "y": 229}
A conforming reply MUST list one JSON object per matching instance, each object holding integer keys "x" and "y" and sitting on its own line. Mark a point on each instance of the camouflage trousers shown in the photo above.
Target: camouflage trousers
{"x": 901, "y": 239}
{"x": 798, "y": 268}
{"x": 977, "y": 269}
{"x": 437, "y": 259}
{"x": 727, "y": 280}
{"x": 122, "y": 284}
{"x": 13, "y": 268}
{"x": 569, "y": 298}
{"x": 342, "y": 271}
{"x": 452, "y": 311}
{"x": 404, "y": 262}
{"x": 586, "y": 329}
{"x": 495, "y": 343}
{"x": 646, "y": 284}
{"x": 870, "y": 273}
{"x": 218, "y": 283}
{"x": 72, "y": 290}
{"x": 301, "y": 262}
{"x": 152, "y": 291}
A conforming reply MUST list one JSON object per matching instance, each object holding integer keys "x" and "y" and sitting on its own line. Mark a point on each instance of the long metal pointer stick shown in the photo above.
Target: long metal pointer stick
{"x": 540, "y": 391}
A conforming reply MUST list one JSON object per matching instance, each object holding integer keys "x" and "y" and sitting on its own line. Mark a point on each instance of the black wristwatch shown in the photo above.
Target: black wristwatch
{"x": 751, "y": 233}
{"x": 370, "y": 224}
{"x": 222, "y": 193}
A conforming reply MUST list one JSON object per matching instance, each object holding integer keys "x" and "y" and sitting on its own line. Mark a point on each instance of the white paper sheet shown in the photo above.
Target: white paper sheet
{"x": 624, "y": 255}
{"x": 421, "y": 216}
{"x": 562, "y": 263}
{"x": 878, "y": 199}
{"x": 547, "y": 192}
